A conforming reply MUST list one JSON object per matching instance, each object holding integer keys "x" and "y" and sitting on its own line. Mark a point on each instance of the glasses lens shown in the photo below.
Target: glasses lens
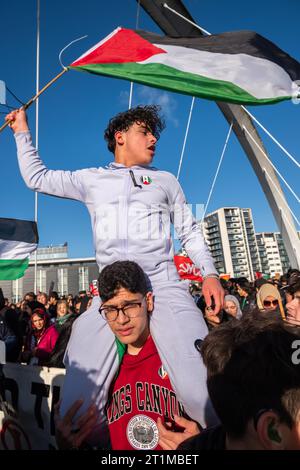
{"x": 109, "y": 313}
{"x": 131, "y": 310}
{"x": 275, "y": 302}
{"x": 267, "y": 303}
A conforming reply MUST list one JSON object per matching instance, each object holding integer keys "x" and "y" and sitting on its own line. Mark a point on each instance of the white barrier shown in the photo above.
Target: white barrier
{"x": 31, "y": 392}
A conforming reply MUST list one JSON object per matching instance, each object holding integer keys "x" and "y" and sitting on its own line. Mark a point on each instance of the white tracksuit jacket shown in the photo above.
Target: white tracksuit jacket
{"x": 130, "y": 220}
{"x": 131, "y": 211}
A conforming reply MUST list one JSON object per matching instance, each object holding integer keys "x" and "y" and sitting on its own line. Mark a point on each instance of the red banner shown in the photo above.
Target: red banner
{"x": 186, "y": 268}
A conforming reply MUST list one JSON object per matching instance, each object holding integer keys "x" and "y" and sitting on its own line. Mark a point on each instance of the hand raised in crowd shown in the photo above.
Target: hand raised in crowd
{"x": 211, "y": 287}
{"x": 170, "y": 440}
{"x": 18, "y": 120}
{"x": 70, "y": 433}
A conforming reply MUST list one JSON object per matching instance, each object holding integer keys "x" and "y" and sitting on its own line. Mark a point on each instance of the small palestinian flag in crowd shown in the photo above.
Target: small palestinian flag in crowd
{"x": 18, "y": 239}
{"x": 239, "y": 67}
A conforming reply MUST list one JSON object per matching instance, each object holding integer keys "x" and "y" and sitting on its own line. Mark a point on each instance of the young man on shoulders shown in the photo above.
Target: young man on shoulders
{"x": 142, "y": 392}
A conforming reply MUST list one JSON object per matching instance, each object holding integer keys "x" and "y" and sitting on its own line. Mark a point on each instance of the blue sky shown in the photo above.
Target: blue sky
{"x": 74, "y": 112}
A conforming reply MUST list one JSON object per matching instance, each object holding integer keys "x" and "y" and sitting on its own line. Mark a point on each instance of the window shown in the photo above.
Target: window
{"x": 41, "y": 280}
{"x": 17, "y": 287}
{"x": 62, "y": 281}
{"x": 83, "y": 278}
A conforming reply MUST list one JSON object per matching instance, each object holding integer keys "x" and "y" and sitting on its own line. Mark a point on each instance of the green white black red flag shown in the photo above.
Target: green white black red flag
{"x": 18, "y": 239}
{"x": 239, "y": 67}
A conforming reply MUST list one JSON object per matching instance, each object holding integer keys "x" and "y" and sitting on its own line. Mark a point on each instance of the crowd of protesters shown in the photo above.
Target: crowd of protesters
{"x": 243, "y": 297}
{"x": 36, "y": 329}
{"x": 259, "y": 316}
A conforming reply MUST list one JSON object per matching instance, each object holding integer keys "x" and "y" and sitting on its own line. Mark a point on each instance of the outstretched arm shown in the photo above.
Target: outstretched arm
{"x": 36, "y": 175}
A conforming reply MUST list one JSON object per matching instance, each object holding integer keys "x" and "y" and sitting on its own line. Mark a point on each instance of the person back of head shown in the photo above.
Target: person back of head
{"x": 259, "y": 282}
{"x": 254, "y": 381}
{"x": 30, "y": 296}
{"x": 53, "y": 297}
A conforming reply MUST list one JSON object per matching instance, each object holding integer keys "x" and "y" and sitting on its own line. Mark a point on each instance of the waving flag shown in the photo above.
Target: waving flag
{"x": 239, "y": 67}
{"x": 18, "y": 239}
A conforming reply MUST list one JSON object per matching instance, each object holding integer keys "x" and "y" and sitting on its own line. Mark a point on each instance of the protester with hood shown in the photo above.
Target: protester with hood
{"x": 232, "y": 307}
{"x": 268, "y": 299}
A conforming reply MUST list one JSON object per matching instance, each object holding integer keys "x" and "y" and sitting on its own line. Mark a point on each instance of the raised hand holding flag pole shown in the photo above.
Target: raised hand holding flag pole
{"x": 34, "y": 98}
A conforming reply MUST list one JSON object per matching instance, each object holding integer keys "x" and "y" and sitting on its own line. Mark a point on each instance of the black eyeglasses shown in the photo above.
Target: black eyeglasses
{"x": 268, "y": 303}
{"x": 130, "y": 310}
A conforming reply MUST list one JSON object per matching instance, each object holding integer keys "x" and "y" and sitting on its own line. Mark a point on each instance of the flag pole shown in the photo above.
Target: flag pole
{"x": 37, "y": 128}
{"x": 34, "y": 98}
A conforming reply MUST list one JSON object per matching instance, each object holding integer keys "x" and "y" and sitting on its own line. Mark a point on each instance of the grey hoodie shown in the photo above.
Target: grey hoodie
{"x": 131, "y": 211}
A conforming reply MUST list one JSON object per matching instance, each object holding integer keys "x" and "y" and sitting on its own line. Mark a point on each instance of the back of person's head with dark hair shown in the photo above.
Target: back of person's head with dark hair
{"x": 35, "y": 304}
{"x": 260, "y": 282}
{"x": 244, "y": 284}
{"x": 294, "y": 288}
{"x": 283, "y": 278}
{"x": 54, "y": 295}
{"x": 126, "y": 274}
{"x": 293, "y": 276}
{"x": 149, "y": 115}
{"x": 224, "y": 283}
{"x": 249, "y": 369}
{"x": 30, "y": 294}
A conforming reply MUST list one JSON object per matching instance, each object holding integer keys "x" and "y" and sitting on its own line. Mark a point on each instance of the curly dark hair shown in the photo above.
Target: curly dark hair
{"x": 121, "y": 122}
{"x": 126, "y": 274}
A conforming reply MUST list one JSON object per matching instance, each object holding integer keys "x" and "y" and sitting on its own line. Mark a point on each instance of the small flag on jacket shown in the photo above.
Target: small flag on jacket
{"x": 239, "y": 67}
{"x": 18, "y": 239}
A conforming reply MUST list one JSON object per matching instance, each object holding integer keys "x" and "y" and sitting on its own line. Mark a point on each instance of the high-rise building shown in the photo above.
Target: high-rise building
{"x": 230, "y": 235}
{"x": 272, "y": 253}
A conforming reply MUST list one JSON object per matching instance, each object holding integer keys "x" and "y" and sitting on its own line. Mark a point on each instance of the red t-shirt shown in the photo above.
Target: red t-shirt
{"x": 141, "y": 393}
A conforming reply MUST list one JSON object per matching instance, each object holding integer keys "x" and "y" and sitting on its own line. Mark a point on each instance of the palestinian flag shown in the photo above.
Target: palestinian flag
{"x": 18, "y": 239}
{"x": 238, "y": 67}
